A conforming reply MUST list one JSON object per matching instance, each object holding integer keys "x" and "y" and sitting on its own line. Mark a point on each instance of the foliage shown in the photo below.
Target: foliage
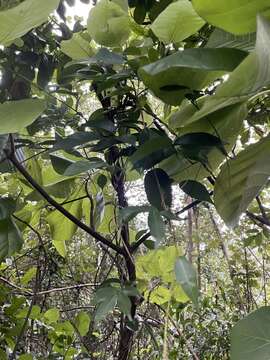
{"x": 114, "y": 135}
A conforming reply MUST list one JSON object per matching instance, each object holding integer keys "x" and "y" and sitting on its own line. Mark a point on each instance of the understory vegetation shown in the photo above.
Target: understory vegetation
{"x": 134, "y": 180}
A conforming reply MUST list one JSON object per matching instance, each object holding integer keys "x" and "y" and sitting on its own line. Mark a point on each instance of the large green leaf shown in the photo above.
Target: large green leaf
{"x": 10, "y": 238}
{"x": 62, "y": 229}
{"x": 186, "y": 276}
{"x": 250, "y": 338}
{"x": 220, "y": 38}
{"x": 223, "y": 113}
{"x": 196, "y": 190}
{"x": 77, "y": 47}
{"x": 17, "y": 21}
{"x": 158, "y": 190}
{"x": 130, "y": 212}
{"x": 235, "y": 16}
{"x": 177, "y": 22}
{"x": 177, "y": 75}
{"x": 225, "y": 123}
{"x": 82, "y": 323}
{"x": 67, "y": 167}
{"x": 241, "y": 179}
{"x": 16, "y": 115}
{"x": 108, "y": 24}
{"x": 152, "y": 152}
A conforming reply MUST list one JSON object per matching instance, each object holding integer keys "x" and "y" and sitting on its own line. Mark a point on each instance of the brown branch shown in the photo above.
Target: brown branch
{"x": 98, "y": 237}
{"x": 45, "y": 292}
{"x": 70, "y": 287}
{"x": 258, "y": 218}
{"x": 14, "y": 286}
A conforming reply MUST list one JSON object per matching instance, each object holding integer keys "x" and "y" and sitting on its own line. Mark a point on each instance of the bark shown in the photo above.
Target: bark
{"x": 126, "y": 334}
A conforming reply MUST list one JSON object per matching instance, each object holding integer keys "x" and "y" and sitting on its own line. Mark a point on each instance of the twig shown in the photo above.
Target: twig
{"x": 14, "y": 286}
{"x": 98, "y": 237}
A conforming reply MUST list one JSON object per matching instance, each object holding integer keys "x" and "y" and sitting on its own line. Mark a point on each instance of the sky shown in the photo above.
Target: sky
{"x": 79, "y": 9}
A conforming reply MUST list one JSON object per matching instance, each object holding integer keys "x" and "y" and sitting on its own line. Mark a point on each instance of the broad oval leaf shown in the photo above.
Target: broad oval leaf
{"x": 77, "y": 47}
{"x": 158, "y": 190}
{"x": 179, "y": 74}
{"x": 16, "y": 115}
{"x": 177, "y": 22}
{"x": 235, "y": 16}
{"x": 220, "y": 38}
{"x": 151, "y": 152}
{"x": 108, "y": 24}
{"x": 195, "y": 190}
{"x": 130, "y": 212}
{"x": 17, "y": 21}
{"x": 67, "y": 167}
{"x": 10, "y": 238}
{"x": 62, "y": 229}
{"x": 82, "y": 323}
{"x": 156, "y": 225}
{"x": 241, "y": 179}
{"x": 250, "y": 338}
{"x": 105, "y": 307}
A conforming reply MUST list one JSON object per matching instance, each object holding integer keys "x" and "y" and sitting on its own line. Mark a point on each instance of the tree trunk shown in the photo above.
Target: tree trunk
{"x": 126, "y": 334}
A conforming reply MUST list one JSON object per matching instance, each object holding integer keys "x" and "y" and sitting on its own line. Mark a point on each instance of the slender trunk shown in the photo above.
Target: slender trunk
{"x": 126, "y": 334}
{"x": 199, "y": 267}
{"x": 190, "y": 246}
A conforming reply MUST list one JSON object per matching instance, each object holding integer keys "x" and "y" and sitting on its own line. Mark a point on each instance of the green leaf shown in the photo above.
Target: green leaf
{"x": 224, "y": 111}
{"x": 128, "y": 213}
{"x": 105, "y": 307}
{"x": 82, "y": 322}
{"x": 62, "y": 229}
{"x": 17, "y": 21}
{"x": 139, "y": 13}
{"x": 160, "y": 295}
{"x": 156, "y": 225}
{"x": 227, "y": 122}
{"x": 195, "y": 190}
{"x": 103, "y": 56}
{"x": 179, "y": 74}
{"x": 220, "y": 38}
{"x": 7, "y": 207}
{"x": 250, "y": 337}
{"x": 16, "y": 115}
{"x": 197, "y": 146}
{"x": 151, "y": 152}
{"x": 124, "y": 304}
{"x": 177, "y": 22}
{"x": 26, "y": 357}
{"x": 10, "y": 238}
{"x": 241, "y": 179}
{"x": 255, "y": 69}
{"x": 52, "y": 316}
{"x": 186, "y": 276}
{"x": 77, "y": 47}
{"x": 108, "y": 24}
{"x": 29, "y": 275}
{"x": 67, "y": 167}
{"x": 235, "y": 16}
{"x": 74, "y": 140}
{"x": 157, "y": 185}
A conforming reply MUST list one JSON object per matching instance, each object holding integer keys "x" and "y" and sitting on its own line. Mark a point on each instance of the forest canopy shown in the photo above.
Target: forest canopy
{"x": 134, "y": 179}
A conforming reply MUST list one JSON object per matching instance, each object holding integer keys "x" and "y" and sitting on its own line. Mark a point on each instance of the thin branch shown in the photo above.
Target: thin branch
{"x": 98, "y": 237}
{"x": 258, "y": 218}
{"x": 14, "y": 286}
{"x": 70, "y": 287}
